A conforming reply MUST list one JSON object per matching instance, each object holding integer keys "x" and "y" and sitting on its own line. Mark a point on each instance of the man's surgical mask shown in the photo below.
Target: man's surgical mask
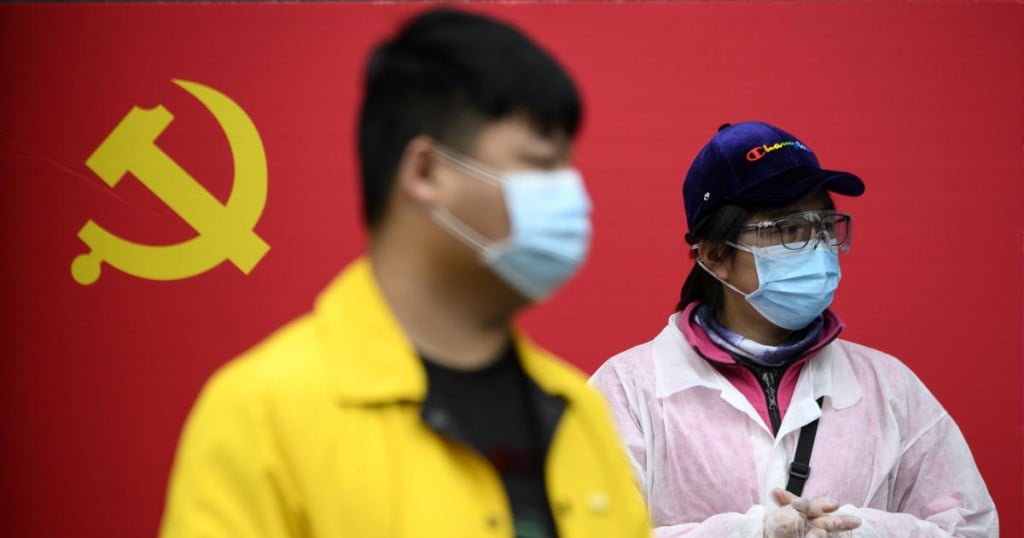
{"x": 549, "y": 222}
{"x": 795, "y": 286}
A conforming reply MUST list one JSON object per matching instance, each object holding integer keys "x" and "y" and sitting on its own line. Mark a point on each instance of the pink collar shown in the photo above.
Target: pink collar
{"x": 743, "y": 378}
{"x": 703, "y": 345}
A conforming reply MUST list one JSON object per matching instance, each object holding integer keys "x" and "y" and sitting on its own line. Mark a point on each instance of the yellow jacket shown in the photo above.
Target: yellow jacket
{"x": 319, "y": 431}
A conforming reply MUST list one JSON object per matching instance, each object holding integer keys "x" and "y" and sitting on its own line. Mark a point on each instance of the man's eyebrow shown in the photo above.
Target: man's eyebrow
{"x": 541, "y": 161}
{"x": 542, "y": 158}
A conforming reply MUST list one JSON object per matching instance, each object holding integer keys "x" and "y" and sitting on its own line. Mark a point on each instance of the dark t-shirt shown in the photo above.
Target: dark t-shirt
{"x": 490, "y": 410}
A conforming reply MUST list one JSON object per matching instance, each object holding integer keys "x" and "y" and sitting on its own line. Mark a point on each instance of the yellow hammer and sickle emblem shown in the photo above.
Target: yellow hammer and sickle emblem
{"x": 225, "y": 231}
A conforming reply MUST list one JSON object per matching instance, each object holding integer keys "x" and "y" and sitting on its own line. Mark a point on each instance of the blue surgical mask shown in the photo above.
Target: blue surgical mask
{"x": 794, "y": 286}
{"x": 549, "y": 222}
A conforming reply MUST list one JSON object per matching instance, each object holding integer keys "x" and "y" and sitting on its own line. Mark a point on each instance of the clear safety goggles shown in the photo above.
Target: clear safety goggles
{"x": 797, "y": 231}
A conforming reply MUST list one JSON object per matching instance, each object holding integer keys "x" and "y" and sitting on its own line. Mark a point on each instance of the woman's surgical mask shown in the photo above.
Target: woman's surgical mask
{"x": 795, "y": 286}
{"x": 549, "y": 223}
{"x": 797, "y": 263}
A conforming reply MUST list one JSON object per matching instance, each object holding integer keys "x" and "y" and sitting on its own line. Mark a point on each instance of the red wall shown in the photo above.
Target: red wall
{"x": 924, "y": 101}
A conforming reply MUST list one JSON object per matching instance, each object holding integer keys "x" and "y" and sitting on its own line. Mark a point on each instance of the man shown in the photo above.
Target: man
{"x": 404, "y": 405}
{"x": 749, "y": 389}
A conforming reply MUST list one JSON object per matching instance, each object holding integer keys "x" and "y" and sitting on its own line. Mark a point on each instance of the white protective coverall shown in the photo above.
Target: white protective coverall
{"x": 886, "y": 450}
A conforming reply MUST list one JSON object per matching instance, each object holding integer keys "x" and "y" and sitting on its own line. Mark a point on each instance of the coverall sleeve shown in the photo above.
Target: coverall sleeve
{"x": 937, "y": 489}
{"x": 626, "y": 416}
{"x": 228, "y": 478}
{"x": 732, "y": 525}
{"x": 631, "y": 416}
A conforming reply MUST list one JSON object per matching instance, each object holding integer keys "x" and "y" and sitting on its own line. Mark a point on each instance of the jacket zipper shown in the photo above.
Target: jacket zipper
{"x": 766, "y": 379}
{"x": 768, "y": 385}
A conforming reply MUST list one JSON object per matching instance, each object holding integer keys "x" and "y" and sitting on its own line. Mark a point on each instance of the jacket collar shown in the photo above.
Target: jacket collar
{"x": 374, "y": 362}
{"x": 679, "y": 365}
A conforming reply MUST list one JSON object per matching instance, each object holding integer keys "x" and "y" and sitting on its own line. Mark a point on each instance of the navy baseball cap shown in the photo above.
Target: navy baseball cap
{"x": 757, "y": 166}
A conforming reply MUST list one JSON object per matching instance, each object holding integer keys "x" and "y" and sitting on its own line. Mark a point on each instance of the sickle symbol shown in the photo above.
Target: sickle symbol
{"x": 225, "y": 231}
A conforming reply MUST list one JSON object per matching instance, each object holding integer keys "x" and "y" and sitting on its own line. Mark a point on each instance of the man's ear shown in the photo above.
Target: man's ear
{"x": 415, "y": 175}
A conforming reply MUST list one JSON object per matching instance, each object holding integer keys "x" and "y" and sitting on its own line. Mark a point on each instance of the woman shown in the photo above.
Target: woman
{"x": 721, "y": 410}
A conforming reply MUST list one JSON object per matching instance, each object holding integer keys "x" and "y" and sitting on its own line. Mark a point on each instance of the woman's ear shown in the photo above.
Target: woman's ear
{"x": 415, "y": 175}
{"x": 715, "y": 257}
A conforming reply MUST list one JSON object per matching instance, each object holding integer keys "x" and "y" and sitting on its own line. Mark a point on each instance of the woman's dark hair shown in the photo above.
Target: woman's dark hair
{"x": 717, "y": 228}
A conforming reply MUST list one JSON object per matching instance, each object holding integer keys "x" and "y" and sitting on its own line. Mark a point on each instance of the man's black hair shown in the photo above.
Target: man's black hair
{"x": 446, "y": 74}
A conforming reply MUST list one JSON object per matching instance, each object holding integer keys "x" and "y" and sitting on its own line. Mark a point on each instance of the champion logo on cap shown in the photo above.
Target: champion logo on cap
{"x": 760, "y": 151}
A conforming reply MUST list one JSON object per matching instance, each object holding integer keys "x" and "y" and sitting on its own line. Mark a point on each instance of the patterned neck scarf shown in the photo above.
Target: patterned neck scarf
{"x": 771, "y": 356}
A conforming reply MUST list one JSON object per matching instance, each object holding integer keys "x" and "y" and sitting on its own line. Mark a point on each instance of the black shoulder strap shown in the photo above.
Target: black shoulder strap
{"x": 800, "y": 469}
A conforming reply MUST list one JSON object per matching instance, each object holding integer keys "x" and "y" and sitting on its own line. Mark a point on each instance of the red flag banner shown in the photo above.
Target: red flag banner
{"x": 178, "y": 180}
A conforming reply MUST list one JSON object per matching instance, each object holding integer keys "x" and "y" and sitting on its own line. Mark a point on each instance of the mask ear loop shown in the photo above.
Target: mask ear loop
{"x": 458, "y": 228}
{"x": 469, "y": 165}
{"x": 450, "y": 222}
{"x": 700, "y": 262}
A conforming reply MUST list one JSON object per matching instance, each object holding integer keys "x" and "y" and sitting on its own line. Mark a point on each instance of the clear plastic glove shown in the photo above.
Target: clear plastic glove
{"x": 797, "y": 517}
